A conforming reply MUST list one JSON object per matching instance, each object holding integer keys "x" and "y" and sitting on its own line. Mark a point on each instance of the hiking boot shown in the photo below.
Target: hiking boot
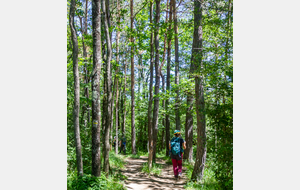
{"x": 176, "y": 177}
{"x": 180, "y": 174}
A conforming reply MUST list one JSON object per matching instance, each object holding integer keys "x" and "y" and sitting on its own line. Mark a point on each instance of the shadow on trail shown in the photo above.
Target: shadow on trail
{"x": 140, "y": 181}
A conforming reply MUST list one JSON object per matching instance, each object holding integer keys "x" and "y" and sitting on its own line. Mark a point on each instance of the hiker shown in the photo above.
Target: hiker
{"x": 176, "y": 146}
{"x": 114, "y": 142}
{"x": 122, "y": 144}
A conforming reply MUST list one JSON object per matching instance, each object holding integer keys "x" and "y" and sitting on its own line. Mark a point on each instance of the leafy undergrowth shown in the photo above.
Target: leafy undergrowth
{"x": 90, "y": 182}
{"x": 207, "y": 183}
{"x": 116, "y": 161}
{"x": 135, "y": 156}
{"x": 156, "y": 169}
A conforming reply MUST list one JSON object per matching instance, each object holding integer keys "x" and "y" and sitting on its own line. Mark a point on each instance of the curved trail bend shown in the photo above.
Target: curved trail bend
{"x": 140, "y": 181}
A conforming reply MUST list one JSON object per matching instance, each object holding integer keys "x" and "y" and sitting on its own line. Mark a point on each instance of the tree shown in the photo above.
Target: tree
{"x": 76, "y": 89}
{"x": 178, "y": 124}
{"x": 124, "y": 100}
{"x": 108, "y": 88}
{"x": 86, "y": 107}
{"x": 133, "y": 146}
{"x": 150, "y": 128}
{"x": 188, "y": 152}
{"x": 96, "y": 111}
{"x": 199, "y": 92}
{"x": 117, "y": 87}
{"x": 157, "y": 78}
{"x": 168, "y": 77}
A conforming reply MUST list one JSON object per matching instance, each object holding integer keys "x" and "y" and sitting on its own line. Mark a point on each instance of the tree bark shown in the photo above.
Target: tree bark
{"x": 133, "y": 146}
{"x": 117, "y": 87}
{"x": 124, "y": 100}
{"x": 178, "y": 123}
{"x": 188, "y": 152}
{"x": 197, "y": 52}
{"x": 96, "y": 111}
{"x": 76, "y": 89}
{"x": 164, "y": 119}
{"x": 168, "y": 78}
{"x": 108, "y": 87}
{"x": 163, "y": 80}
{"x": 157, "y": 80}
{"x": 112, "y": 111}
{"x": 150, "y": 129}
{"x": 86, "y": 107}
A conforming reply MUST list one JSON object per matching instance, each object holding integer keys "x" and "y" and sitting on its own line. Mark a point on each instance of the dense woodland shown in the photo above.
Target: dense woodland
{"x": 142, "y": 69}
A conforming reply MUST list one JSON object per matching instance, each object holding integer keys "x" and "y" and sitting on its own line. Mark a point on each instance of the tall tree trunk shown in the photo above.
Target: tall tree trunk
{"x": 168, "y": 78}
{"x": 117, "y": 112}
{"x": 163, "y": 120}
{"x": 108, "y": 87}
{"x": 117, "y": 70}
{"x": 84, "y": 31}
{"x": 140, "y": 127}
{"x": 96, "y": 113}
{"x": 150, "y": 128}
{"x": 112, "y": 111}
{"x": 177, "y": 114}
{"x": 163, "y": 79}
{"x": 200, "y": 106}
{"x": 76, "y": 89}
{"x": 157, "y": 79}
{"x": 85, "y": 107}
{"x": 124, "y": 100}
{"x": 104, "y": 104}
{"x": 133, "y": 146}
{"x": 188, "y": 152}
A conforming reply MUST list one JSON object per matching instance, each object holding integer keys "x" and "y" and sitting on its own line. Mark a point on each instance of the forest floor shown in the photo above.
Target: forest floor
{"x": 137, "y": 180}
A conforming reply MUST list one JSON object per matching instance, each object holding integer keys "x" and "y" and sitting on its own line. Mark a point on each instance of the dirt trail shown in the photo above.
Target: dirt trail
{"x": 139, "y": 181}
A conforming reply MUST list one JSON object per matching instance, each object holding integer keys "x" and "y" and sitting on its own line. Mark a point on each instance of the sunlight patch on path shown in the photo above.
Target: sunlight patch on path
{"x": 136, "y": 180}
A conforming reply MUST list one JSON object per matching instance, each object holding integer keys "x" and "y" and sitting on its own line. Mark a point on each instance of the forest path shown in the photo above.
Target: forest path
{"x": 140, "y": 181}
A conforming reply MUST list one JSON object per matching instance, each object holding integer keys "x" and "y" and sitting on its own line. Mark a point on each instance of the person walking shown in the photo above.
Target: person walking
{"x": 123, "y": 145}
{"x": 176, "y": 146}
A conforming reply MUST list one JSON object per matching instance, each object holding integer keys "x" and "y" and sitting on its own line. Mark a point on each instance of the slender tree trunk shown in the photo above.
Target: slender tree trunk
{"x": 104, "y": 104}
{"x": 164, "y": 115}
{"x": 86, "y": 81}
{"x": 157, "y": 80}
{"x": 117, "y": 87}
{"x": 76, "y": 89}
{"x": 150, "y": 128}
{"x": 96, "y": 113}
{"x": 168, "y": 78}
{"x": 188, "y": 152}
{"x": 163, "y": 79}
{"x": 124, "y": 99}
{"x": 163, "y": 120}
{"x": 108, "y": 87}
{"x": 112, "y": 111}
{"x": 177, "y": 114}
{"x": 133, "y": 146}
{"x": 117, "y": 112}
{"x": 200, "y": 106}
{"x": 140, "y": 127}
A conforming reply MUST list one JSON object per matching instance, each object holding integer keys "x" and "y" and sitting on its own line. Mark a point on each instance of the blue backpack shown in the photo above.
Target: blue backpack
{"x": 175, "y": 146}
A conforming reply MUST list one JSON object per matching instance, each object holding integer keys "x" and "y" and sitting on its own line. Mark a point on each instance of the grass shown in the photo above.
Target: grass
{"x": 207, "y": 183}
{"x": 116, "y": 160}
{"x": 89, "y": 182}
{"x": 135, "y": 156}
{"x": 156, "y": 169}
